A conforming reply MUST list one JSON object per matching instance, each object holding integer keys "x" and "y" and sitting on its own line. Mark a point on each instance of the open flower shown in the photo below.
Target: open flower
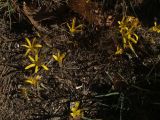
{"x": 33, "y": 80}
{"x": 74, "y": 29}
{"x": 59, "y": 57}
{"x": 31, "y": 47}
{"x": 75, "y": 111}
{"x": 36, "y": 63}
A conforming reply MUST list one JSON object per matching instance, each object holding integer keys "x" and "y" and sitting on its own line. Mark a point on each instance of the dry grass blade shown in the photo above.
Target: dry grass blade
{"x": 29, "y": 13}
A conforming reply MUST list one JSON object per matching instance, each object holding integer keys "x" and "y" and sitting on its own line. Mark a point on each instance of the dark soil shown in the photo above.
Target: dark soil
{"x": 108, "y": 86}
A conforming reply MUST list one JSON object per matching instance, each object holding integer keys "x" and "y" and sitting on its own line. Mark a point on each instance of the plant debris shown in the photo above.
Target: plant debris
{"x": 82, "y": 60}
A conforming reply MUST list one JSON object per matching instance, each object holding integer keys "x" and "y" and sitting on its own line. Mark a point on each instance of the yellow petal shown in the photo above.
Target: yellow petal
{"x": 132, "y": 39}
{"x": 74, "y": 106}
{"x": 78, "y": 113}
{"x": 119, "y": 50}
{"x": 28, "y": 41}
{"x": 74, "y": 109}
{"x": 62, "y": 56}
{"x": 79, "y": 26}
{"x": 25, "y": 46}
{"x": 68, "y": 26}
{"x": 33, "y": 41}
{"x": 124, "y": 42}
{"x": 55, "y": 57}
{"x": 136, "y": 36}
{"x": 73, "y": 23}
{"x": 38, "y": 45}
{"x": 45, "y": 67}
{"x": 155, "y": 23}
{"x": 126, "y": 28}
{"x": 38, "y": 34}
{"x": 36, "y": 57}
{"x": 27, "y": 52}
{"x": 158, "y": 31}
{"x": 73, "y": 115}
{"x": 77, "y": 104}
{"x": 36, "y": 69}
{"x": 33, "y": 80}
{"x": 29, "y": 66}
{"x": 38, "y": 77}
{"x": 72, "y": 30}
{"x": 58, "y": 55}
{"x": 31, "y": 58}
{"x": 29, "y": 81}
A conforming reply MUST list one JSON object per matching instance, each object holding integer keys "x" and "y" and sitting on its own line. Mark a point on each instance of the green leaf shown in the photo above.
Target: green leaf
{"x": 109, "y": 94}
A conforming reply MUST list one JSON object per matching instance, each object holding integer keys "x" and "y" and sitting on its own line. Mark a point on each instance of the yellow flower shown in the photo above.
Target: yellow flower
{"x": 75, "y": 111}
{"x": 119, "y": 50}
{"x": 155, "y": 28}
{"x": 59, "y": 57}
{"x": 127, "y": 27}
{"x": 31, "y": 47}
{"x": 74, "y": 29}
{"x": 76, "y": 114}
{"x": 74, "y": 105}
{"x": 122, "y": 25}
{"x": 36, "y": 63}
{"x": 33, "y": 80}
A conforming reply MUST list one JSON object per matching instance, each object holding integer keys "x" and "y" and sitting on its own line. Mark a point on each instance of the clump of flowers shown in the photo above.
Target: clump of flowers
{"x": 36, "y": 63}
{"x": 127, "y": 27}
{"x": 31, "y": 47}
{"x": 33, "y": 53}
{"x": 76, "y": 113}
